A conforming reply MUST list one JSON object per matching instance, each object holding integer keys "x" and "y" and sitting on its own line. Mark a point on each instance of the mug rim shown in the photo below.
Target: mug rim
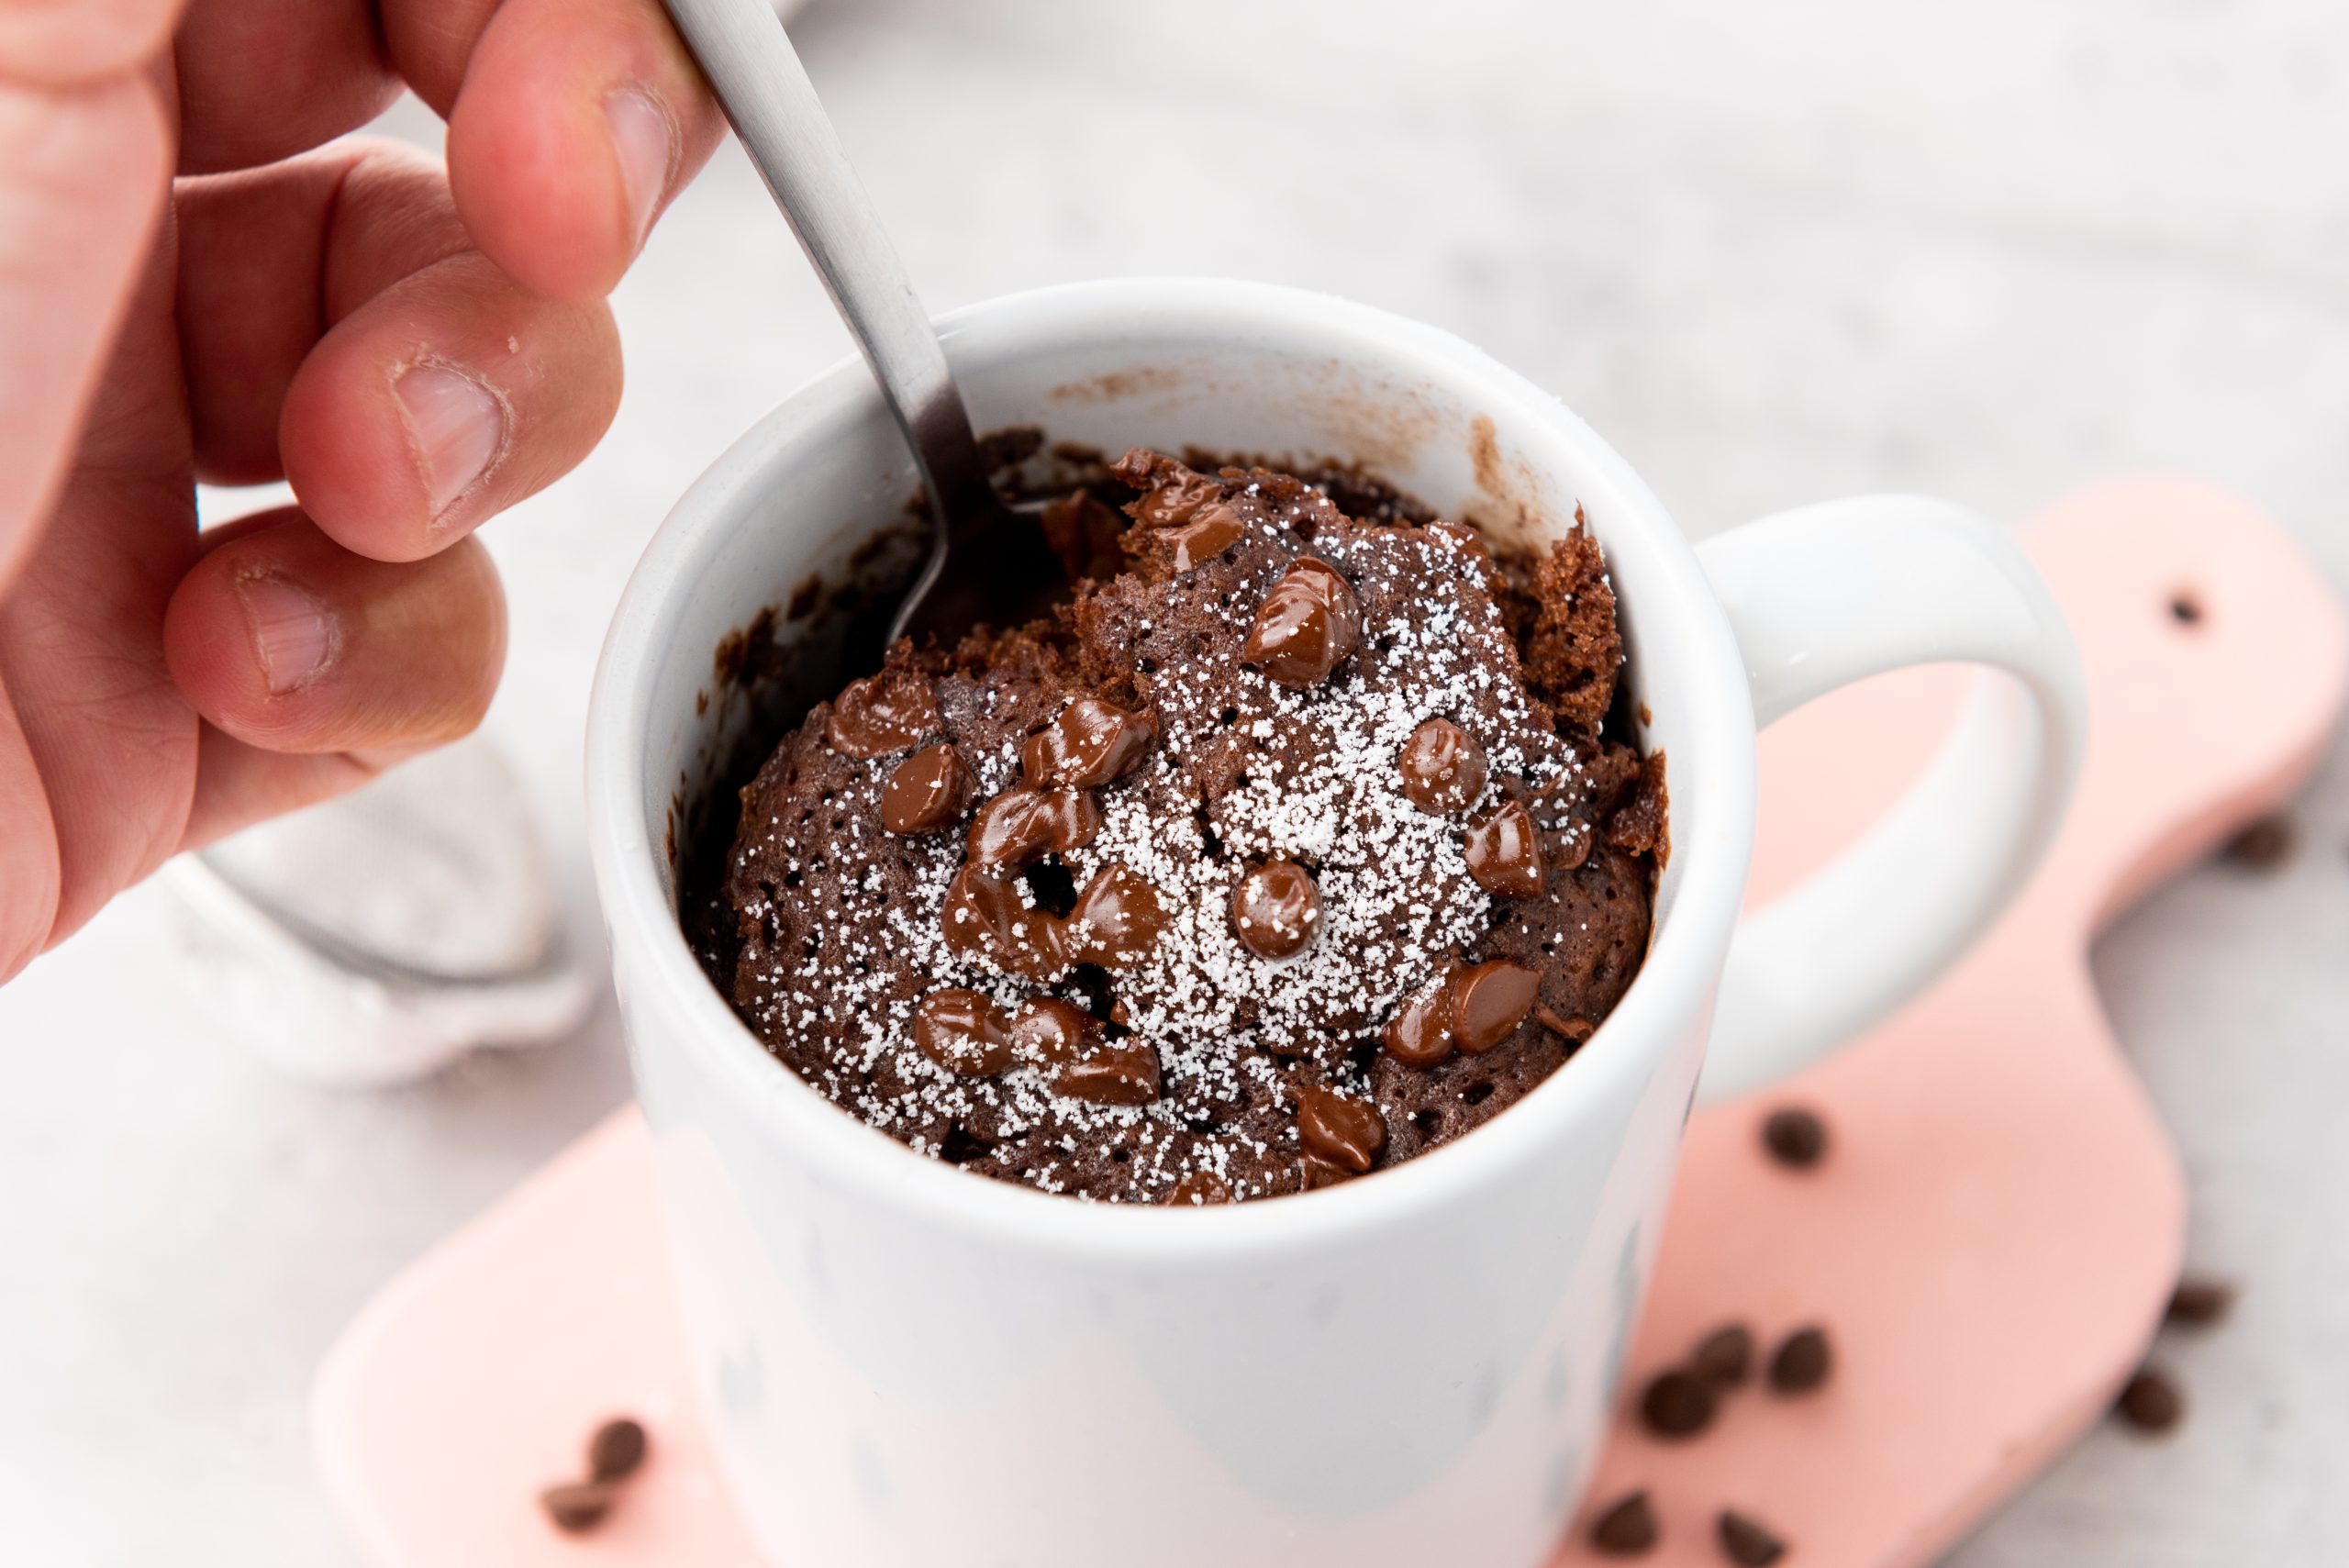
{"x": 1676, "y": 980}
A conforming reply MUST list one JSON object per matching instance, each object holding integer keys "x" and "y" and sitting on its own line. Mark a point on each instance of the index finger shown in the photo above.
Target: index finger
{"x": 70, "y": 43}
{"x": 571, "y": 124}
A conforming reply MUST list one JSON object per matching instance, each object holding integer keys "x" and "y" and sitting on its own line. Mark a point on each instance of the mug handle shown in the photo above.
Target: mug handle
{"x": 1828, "y": 595}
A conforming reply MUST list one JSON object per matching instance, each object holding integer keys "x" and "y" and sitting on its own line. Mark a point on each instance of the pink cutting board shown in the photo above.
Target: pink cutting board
{"x": 1990, "y": 1240}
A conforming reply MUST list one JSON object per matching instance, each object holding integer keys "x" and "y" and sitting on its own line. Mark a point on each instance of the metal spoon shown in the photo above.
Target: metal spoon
{"x": 985, "y": 562}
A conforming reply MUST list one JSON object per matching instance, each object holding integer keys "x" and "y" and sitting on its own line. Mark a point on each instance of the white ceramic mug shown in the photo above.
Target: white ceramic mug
{"x": 906, "y": 1364}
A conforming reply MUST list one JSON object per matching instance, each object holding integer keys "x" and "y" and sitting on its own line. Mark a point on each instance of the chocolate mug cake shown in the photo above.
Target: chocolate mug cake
{"x": 1298, "y": 844}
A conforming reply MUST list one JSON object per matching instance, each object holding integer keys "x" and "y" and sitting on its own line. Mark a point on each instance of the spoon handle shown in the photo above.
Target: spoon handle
{"x": 742, "y": 49}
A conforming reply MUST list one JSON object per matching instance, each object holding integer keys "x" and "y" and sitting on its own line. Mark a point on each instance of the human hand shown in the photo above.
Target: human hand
{"x": 413, "y": 350}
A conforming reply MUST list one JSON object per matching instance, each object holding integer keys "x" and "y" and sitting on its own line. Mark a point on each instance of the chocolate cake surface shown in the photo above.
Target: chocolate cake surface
{"x": 1295, "y": 846}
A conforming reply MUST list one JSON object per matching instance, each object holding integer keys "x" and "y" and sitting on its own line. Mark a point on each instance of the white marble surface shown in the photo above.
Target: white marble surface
{"x": 1993, "y": 249}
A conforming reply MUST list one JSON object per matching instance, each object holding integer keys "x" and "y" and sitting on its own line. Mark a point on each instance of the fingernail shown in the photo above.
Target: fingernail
{"x": 294, "y": 635}
{"x": 641, "y": 138}
{"x": 457, "y": 427}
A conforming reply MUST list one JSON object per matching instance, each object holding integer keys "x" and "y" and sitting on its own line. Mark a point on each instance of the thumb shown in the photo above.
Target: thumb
{"x": 82, "y": 173}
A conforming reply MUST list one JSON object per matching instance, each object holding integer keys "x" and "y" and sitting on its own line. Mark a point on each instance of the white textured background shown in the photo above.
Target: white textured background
{"x": 1990, "y": 248}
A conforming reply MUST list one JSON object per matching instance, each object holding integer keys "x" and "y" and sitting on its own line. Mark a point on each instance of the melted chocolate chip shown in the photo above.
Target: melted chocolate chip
{"x": 1319, "y": 1172}
{"x": 1171, "y": 504}
{"x": 1200, "y": 1188}
{"x": 964, "y": 1032}
{"x": 1207, "y": 535}
{"x": 1504, "y": 850}
{"x": 1276, "y": 909}
{"x": 1487, "y": 1004}
{"x": 984, "y": 919}
{"x": 1349, "y": 1132}
{"x": 928, "y": 791}
{"x": 1564, "y": 1027}
{"x": 1091, "y": 743}
{"x": 1117, "y": 920}
{"x": 881, "y": 714}
{"x": 1114, "y": 1075}
{"x": 1747, "y": 1542}
{"x": 1021, "y": 824}
{"x": 1420, "y": 1034}
{"x": 1567, "y": 851}
{"x": 1050, "y": 1032}
{"x": 1443, "y": 768}
{"x": 1306, "y": 627}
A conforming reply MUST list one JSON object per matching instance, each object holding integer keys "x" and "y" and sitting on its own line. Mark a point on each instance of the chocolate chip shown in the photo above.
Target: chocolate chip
{"x": 1317, "y": 1172}
{"x": 2263, "y": 845}
{"x": 1023, "y": 824}
{"x": 1504, "y": 853}
{"x": 1276, "y": 909}
{"x": 928, "y": 791}
{"x": 1200, "y": 1189}
{"x": 1569, "y": 849}
{"x": 1092, "y": 743}
{"x": 1801, "y": 1362}
{"x": 1557, "y": 1023}
{"x": 1049, "y": 1032}
{"x": 2200, "y": 1303}
{"x": 1174, "y": 502}
{"x": 1747, "y": 1542}
{"x": 1676, "y": 1404}
{"x": 1420, "y": 1034}
{"x": 1487, "y": 1004}
{"x": 964, "y": 1032}
{"x": 2151, "y": 1402}
{"x": 881, "y": 714}
{"x": 1114, "y": 1075}
{"x": 1306, "y": 627}
{"x": 576, "y": 1507}
{"x": 618, "y": 1448}
{"x": 1350, "y": 1132}
{"x": 1725, "y": 1356}
{"x": 1208, "y": 534}
{"x": 984, "y": 919}
{"x": 1117, "y": 920}
{"x": 1443, "y": 767}
{"x": 1627, "y": 1529}
{"x": 1796, "y": 1137}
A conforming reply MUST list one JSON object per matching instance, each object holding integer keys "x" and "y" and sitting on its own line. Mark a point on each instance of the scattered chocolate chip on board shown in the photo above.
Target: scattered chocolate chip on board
{"x": 1747, "y": 1542}
{"x": 1725, "y": 1356}
{"x": 2264, "y": 845}
{"x": 2201, "y": 1303}
{"x": 576, "y": 1507}
{"x": 1626, "y": 1528}
{"x": 2151, "y": 1402}
{"x": 1802, "y": 1361}
{"x": 1795, "y": 1137}
{"x": 616, "y": 1449}
{"x": 1676, "y": 1405}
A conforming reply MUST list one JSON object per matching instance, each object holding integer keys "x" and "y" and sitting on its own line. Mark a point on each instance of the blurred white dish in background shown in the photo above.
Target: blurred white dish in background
{"x": 374, "y": 939}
